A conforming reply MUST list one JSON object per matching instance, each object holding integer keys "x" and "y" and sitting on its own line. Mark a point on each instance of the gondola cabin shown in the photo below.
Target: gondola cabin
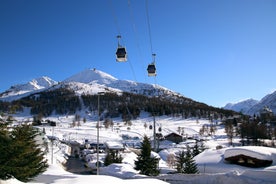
{"x": 151, "y": 70}
{"x": 121, "y": 54}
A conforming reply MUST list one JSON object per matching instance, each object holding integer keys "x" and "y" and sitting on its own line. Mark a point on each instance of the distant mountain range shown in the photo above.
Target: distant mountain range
{"x": 20, "y": 90}
{"x": 76, "y": 93}
{"x": 242, "y": 106}
{"x": 251, "y": 106}
{"x": 90, "y": 81}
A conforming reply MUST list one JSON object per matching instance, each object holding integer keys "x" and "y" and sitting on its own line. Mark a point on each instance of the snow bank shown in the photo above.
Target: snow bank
{"x": 11, "y": 181}
{"x": 221, "y": 178}
{"x": 55, "y": 174}
{"x": 212, "y": 161}
{"x": 124, "y": 171}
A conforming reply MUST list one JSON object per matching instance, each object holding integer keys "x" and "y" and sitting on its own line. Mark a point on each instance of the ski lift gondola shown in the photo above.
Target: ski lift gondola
{"x": 121, "y": 54}
{"x": 151, "y": 67}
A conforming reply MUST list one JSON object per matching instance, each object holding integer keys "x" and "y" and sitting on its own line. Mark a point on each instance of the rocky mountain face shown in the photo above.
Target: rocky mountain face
{"x": 252, "y": 106}
{"x": 242, "y": 106}
{"x": 20, "y": 90}
{"x": 267, "y": 101}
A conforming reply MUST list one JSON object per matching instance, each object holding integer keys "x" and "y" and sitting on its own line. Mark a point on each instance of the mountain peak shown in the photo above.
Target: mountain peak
{"x": 241, "y": 106}
{"x": 20, "y": 90}
{"x": 35, "y": 84}
{"x": 91, "y": 75}
{"x": 41, "y": 82}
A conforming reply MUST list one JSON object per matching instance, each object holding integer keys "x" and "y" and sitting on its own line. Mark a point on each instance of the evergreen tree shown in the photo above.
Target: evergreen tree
{"x": 230, "y": 131}
{"x": 21, "y": 157}
{"x": 196, "y": 149}
{"x": 145, "y": 163}
{"x": 5, "y": 150}
{"x": 202, "y": 147}
{"x": 113, "y": 157}
{"x": 180, "y": 160}
{"x": 190, "y": 166}
{"x": 185, "y": 162}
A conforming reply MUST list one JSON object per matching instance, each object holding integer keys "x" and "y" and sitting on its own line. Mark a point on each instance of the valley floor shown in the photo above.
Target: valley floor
{"x": 211, "y": 164}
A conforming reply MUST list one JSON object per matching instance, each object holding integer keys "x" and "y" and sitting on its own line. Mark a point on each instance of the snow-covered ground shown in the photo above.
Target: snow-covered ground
{"x": 211, "y": 164}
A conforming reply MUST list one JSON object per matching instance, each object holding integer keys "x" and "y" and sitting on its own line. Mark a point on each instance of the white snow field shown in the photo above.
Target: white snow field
{"x": 211, "y": 164}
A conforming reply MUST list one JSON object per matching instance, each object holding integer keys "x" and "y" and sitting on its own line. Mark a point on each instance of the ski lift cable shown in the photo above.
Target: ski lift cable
{"x": 136, "y": 35}
{"x": 149, "y": 27}
{"x": 120, "y": 40}
{"x": 151, "y": 67}
{"x": 131, "y": 67}
{"x": 115, "y": 17}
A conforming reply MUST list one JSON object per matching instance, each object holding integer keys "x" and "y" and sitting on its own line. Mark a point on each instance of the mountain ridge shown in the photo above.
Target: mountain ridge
{"x": 20, "y": 90}
{"x": 78, "y": 93}
{"x": 242, "y": 106}
{"x": 253, "y": 107}
{"x": 88, "y": 81}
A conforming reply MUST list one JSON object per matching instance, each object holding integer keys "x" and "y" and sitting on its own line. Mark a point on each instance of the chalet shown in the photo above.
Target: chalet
{"x": 73, "y": 148}
{"x": 249, "y": 156}
{"x": 114, "y": 146}
{"x": 174, "y": 137}
{"x": 248, "y": 161}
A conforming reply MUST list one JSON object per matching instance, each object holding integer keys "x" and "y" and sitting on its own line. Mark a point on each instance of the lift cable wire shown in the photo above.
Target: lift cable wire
{"x": 132, "y": 70}
{"x": 115, "y": 17}
{"x": 141, "y": 59}
{"x": 120, "y": 40}
{"x": 151, "y": 67}
{"x": 149, "y": 28}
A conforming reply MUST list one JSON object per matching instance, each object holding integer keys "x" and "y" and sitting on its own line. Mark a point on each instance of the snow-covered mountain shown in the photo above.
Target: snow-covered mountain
{"x": 92, "y": 81}
{"x": 252, "y": 106}
{"x": 241, "y": 106}
{"x": 267, "y": 101}
{"x": 20, "y": 90}
{"x": 91, "y": 75}
{"x": 89, "y": 81}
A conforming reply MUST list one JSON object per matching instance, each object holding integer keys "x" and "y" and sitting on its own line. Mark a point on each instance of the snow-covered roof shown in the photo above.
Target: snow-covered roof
{"x": 261, "y": 153}
{"x": 114, "y": 145}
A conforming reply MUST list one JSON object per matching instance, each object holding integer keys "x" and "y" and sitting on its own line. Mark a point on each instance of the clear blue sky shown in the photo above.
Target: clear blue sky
{"x": 213, "y": 51}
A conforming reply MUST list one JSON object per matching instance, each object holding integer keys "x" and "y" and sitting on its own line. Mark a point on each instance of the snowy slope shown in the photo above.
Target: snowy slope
{"x": 252, "y": 106}
{"x": 269, "y": 101}
{"x": 91, "y": 75}
{"x": 90, "y": 81}
{"x": 211, "y": 163}
{"x": 96, "y": 80}
{"x": 242, "y": 106}
{"x": 20, "y": 90}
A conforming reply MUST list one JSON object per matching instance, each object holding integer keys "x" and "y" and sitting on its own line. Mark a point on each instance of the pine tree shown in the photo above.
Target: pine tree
{"x": 185, "y": 162}
{"x": 180, "y": 160}
{"x": 113, "y": 157}
{"x": 5, "y": 150}
{"x": 190, "y": 166}
{"x": 196, "y": 149}
{"x": 22, "y": 157}
{"x": 145, "y": 163}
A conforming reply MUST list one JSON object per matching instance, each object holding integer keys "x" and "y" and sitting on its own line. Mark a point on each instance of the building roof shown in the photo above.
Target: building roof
{"x": 114, "y": 145}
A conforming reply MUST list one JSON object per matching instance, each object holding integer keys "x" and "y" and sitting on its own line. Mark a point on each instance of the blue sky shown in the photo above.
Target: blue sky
{"x": 213, "y": 51}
